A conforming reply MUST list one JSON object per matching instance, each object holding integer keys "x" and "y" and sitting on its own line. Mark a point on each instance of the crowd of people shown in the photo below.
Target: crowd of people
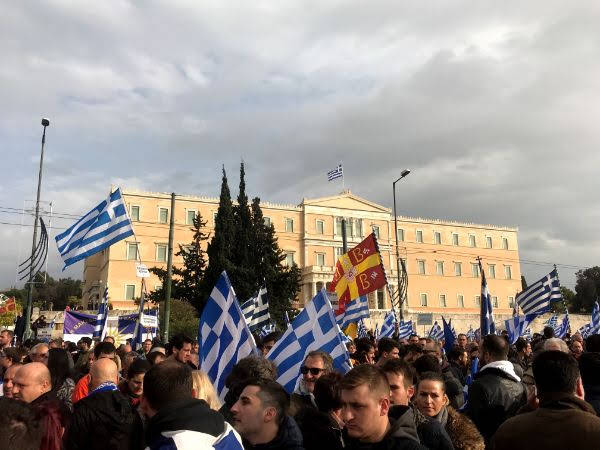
{"x": 400, "y": 394}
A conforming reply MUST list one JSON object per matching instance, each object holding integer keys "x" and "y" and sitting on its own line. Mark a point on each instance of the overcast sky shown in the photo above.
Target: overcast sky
{"x": 494, "y": 106}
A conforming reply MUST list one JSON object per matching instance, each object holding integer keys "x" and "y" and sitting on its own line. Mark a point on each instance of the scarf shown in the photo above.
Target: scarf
{"x": 442, "y": 416}
{"x": 104, "y": 387}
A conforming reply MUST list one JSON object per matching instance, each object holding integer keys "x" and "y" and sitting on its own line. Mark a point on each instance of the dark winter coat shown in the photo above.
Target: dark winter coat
{"x": 319, "y": 430}
{"x": 401, "y": 436}
{"x": 592, "y": 395}
{"x": 102, "y": 420}
{"x": 431, "y": 432}
{"x": 454, "y": 388}
{"x": 562, "y": 421}
{"x": 494, "y": 396}
{"x": 288, "y": 437}
{"x": 458, "y": 371}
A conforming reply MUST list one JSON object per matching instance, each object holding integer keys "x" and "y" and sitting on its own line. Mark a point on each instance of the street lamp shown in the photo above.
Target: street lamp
{"x": 403, "y": 174}
{"x": 45, "y": 123}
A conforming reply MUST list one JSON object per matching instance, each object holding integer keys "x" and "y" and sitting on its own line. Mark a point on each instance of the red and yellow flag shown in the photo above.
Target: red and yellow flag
{"x": 358, "y": 272}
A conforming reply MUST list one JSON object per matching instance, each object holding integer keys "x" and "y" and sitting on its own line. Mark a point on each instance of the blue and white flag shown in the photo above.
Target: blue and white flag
{"x": 471, "y": 334}
{"x": 265, "y": 330}
{"x": 595, "y": 323}
{"x": 516, "y": 326}
{"x": 287, "y": 319}
{"x": 256, "y": 310}
{"x": 388, "y": 326}
{"x": 356, "y": 310}
{"x": 224, "y": 335}
{"x": 564, "y": 327}
{"x": 136, "y": 341}
{"x": 405, "y": 329}
{"x": 376, "y": 333}
{"x": 585, "y": 330}
{"x": 449, "y": 335}
{"x": 436, "y": 331}
{"x": 487, "y": 325}
{"x": 102, "y": 318}
{"x": 552, "y": 322}
{"x": 536, "y": 298}
{"x": 338, "y": 172}
{"x": 104, "y": 225}
{"x": 361, "y": 332}
{"x": 314, "y": 328}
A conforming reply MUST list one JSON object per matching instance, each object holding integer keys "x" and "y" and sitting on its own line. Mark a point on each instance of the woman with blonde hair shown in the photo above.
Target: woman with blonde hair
{"x": 204, "y": 389}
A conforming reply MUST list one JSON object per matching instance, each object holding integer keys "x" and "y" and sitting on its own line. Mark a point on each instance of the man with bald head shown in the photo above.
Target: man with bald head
{"x": 105, "y": 418}
{"x": 31, "y": 383}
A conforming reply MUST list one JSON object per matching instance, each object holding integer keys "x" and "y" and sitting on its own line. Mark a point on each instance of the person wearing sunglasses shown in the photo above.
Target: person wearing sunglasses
{"x": 316, "y": 364}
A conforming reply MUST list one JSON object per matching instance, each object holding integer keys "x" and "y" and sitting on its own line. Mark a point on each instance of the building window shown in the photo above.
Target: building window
{"x": 437, "y": 237}
{"x": 460, "y": 301}
{"x": 505, "y": 243}
{"x": 161, "y": 252}
{"x": 421, "y": 266}
{"x": 338, "y": 226}
{"x": 289, "y": 259}
{"x": 439, "y": 268}
{"x": 320, "y": 259}
{"x": 423, "y": 299}
{"x": 380, "y": 299}
{"x": 320, "y": 226}
{"x": 478, "y": 300}
{"x": 400, "y": 235}
{"x": 132, "y": 251}
{"x": 130, "y": 292}
{"x": 511, "y": 302}
{"x": 508, "y": 272}
{"x": 443, "y": 300}
{"x": 475, "y": 270}
{"x": 267, "y": 221}
{"x": 375, "y": 230}
{"x": 454, "y": 238}
{"x": 420, "y": 236}
{"x": 289, "y": 225}
{"x": 134, "y": 212}
{"x": 495, "y": 301}
{"x": 339, "y": 251}
{"x": 458, "y": 269}
{"x": 492, "y": 270}
{"x": 190, "y": 216}
{"x": 353, "y": 227}
{"x": 358, "y": 225}
{"x": 163, "y": 215}
{"x": 472, "y": 242}
{"x": 488, "y": 241}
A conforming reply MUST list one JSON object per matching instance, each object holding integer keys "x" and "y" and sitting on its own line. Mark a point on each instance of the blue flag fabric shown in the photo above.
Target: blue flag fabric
{"x": 594, "y": 327}
{"x": 487, "y": 325}
{"x": 405, "y": 329}
{"x": 537, "y": 298}
{"x": 224, "y": 335}
{"x": 436, "y": 331}
{"x": 388, "y": 326}
{"x": 449, "y": 337}
{"x": 256, "y": 310}
{"x": 516, "y": 326}
{"x": 102, "y": 318}
{"x": 356, "y": 310}
{"x": 564, "y": 327}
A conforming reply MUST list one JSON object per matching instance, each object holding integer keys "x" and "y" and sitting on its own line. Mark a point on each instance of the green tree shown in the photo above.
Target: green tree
{"x": 49, "y": 292}
{"x": 587, "y": 288}
{"x": 183, "y": 318}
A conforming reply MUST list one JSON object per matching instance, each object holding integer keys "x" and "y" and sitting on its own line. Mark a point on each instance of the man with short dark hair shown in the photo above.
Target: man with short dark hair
{"x": 146, "y": 346}
{"x": 413, "y": 352}
{"x": 19, "y": 427}
{"x": 497, "y": 392}
{"x": 175, "y": 418}
{"x": 6, "y": 337}
{"x": 260, "y": 416}
{"x": 462, "y": 341}
{"x": 563, "y": 420}
{"x": 365, "y": 407}
{"x": 181, "y": 348}
{"x": 267, "y": 343}
{"x": 316, "y": 364}
{"x": 82, "y": 364}
{"x": 387, "y": 348}
{"x": 589, "y": 366}
{"x": 413, "y": 339}
{"x": 523, "y": 348}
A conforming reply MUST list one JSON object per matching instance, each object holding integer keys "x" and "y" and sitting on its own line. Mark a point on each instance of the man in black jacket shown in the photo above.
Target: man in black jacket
{"x": 104, "y": 419}
{"x": 497, "y": 392}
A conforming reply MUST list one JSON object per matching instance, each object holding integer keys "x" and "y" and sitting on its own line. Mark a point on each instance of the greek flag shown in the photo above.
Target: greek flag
{"x": 376, "y": 333}
{"x": 104, "y": 225}
{"x": 536, "y": 298}
{"x": 585, "y": 330}
{"x": 470, "y": 334}
{"x": 405, "y": 330}
{"x": 595, "y": 323}
{"x": 362, "y": 329}
{"x": 516, "y": 326}
{"x": 436, "y": 331}
{"x": 136, "y": 341}
{"x": 552, "y": 322}
{"x": 388, "y": 326}
{"x": 449, "y": 335}
{"x": 287, "y": 319}
{"x": 487, "y": 324}
{"x": 266, "y": 330}
{"x": 564, "y": 327}
{"x": 102, "y": 318}
{"x": 224, "y": 336}
{"x": 256, "y": 310}
{"x": 355, "y": 310}
{"x": 338, "y": 172}
{"x": 314, "y": 328}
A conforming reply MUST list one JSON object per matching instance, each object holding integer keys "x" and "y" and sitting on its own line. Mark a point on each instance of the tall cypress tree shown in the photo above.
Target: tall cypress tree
{"x": 282, "y": 282}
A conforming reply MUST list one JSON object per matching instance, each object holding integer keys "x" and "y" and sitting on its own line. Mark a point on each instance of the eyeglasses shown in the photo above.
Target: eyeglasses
{"x": 313, "y": 370}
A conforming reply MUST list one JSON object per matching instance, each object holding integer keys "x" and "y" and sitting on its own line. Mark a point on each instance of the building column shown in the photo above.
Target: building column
{"x": 313, "y": 287}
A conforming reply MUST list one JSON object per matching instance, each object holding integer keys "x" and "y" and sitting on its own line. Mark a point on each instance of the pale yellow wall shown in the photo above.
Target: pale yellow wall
{"x": 305, "y": 242}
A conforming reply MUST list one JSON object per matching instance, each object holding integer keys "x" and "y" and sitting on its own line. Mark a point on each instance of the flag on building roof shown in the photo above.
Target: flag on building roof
{"x": 405, "y": 329}
{"x": 355, "y": 310}
{"x": 436, "y": 331}
{"x": 102, "y": 318}
{"x": 224, "y": 335}
{"x": 358, "y": 272}
{"x": 338, "y": 172}
{"x": 388, "y": 326}
{"x": 517, "y": 325}
{"x": 487, "y": 325}
{"x": 256, "y": 310}
{"x": 104, "y": 225}
{"x": 536, "y": 299}
{"x": 449, "y": 336}
{"x": 314, "y": 328}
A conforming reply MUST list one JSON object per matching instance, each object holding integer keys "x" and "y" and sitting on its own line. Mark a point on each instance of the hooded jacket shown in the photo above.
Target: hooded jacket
{"x": 496, "y": 395}
{"x": 102, "y": 420}
{"x": 188, "y": 424}
{"x": 401, "y": 436}
{"x": 288, "y": 437}
{"x": 562, "y": 421}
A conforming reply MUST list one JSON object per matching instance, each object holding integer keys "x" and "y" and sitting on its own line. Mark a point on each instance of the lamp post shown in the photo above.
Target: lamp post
{"x": 403, "y": 174}
{"x": 27, "y": 333}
